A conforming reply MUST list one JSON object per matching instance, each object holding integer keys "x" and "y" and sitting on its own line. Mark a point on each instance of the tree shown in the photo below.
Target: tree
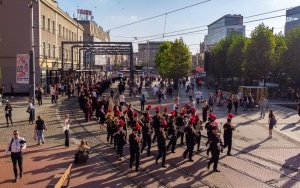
{"x": 292, "y": 55}
{"x": 174, "y": 60}
{"x": 259, "y": 53}
{"x": 278, "y": 73}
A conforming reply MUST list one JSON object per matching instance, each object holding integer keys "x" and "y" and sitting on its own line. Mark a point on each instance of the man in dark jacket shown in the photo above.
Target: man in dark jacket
{"x": 147, "y": 131}
{"x": 134, "y": 148}
{"x": 161, "y": 144}
{"x": 190, "y": 137}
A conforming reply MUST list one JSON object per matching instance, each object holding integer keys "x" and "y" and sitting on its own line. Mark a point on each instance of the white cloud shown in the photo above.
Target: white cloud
{"x": 133, "y": 17}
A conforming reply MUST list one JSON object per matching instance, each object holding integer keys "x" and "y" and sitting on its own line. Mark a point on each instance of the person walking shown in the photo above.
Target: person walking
{"x": 263, "y": 102}
{"x": 147, "y": 131}
{"x": 229, "y": 104}
{"x": 30, "y": 110}
{"x": 8, "y": 113}
{"x": 143, "y": 99}
{"x": 228, "y": 128}
{"x": 161, "y": 144}
{"x": 39, "y": 96}
{"x": 40, "y": 126}
{"x": 66, "y": 127}
{"x": 52, "y": 93}
{"x": 190, "y": 136}
{"x": 236, "y": 100}
{"x": 120, "y": 140}
{"x": 272, "y": 122}
{"x": 172, "y": 134}
{"x": 134, "y": 148}
{"x": 215, "y": 148}
{"x": 205, "y": 108}
{"x": 16, "y": 145}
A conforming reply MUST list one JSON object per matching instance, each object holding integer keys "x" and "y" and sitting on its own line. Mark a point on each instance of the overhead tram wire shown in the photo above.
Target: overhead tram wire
{"x": 157, "y": 35}
{"x": 202, "y": 2}
{"x": 166, "y": 36}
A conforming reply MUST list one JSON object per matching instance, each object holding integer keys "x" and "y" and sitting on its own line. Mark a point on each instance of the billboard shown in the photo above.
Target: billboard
{"x": 22, "y": 72}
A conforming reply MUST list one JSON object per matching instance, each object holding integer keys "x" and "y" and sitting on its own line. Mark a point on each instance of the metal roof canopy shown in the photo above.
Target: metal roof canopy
{"x": 105, "y": 48}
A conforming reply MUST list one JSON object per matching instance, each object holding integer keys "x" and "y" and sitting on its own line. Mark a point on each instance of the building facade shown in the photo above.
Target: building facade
{"x": 51, "y": 27}
{"x": 147, "y": 52}
{"x": 292, "y": 19}
{"x": 221, "y": 28}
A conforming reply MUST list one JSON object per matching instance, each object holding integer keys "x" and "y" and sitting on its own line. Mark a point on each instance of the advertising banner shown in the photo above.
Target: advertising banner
{"x": 22, "y": 76}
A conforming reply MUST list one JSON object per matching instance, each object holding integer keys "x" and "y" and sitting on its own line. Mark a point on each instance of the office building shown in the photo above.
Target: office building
{"x": 292, "y": 19}
{"x": 51, "y": 26}
{"x": 147, "y": 52}
{"x": 221, "y": 28}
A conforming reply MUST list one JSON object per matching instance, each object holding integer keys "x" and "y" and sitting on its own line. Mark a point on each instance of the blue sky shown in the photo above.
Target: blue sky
{"x": 110, "y": 14}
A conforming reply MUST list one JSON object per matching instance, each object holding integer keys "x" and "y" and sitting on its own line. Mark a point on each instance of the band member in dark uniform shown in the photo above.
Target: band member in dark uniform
{"x": 190, "y": 136}
{"x": 215, "y": 147}
{"x": 165, "y": 113}
{"x": 172, "y": 134}
{"x": 123, "y": 117}
{"x": 161, "y": 144}
{"x": 180, "y": 126}
{"x": 147, "y": 131}
{"x": 129, "y": 111}
{"x": 134, "y": 148}
{"x": 156, "y": 123}
{"x": 198, "y": 127}
{"x": 110, "y": 127}
{"x": 208, "y": 127}
{"x": 120, "y": 139}
{"x": 228, "y": 128}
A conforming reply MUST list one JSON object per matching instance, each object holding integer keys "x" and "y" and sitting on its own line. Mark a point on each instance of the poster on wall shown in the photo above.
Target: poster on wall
{"x": 22, "y": 76}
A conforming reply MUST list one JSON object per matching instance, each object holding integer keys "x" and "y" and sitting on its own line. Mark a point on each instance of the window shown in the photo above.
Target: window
{"x": 70, "y": 35}
{"x": 49, "y": 50}
{"x": 53, "y": 26}
{"x": 53, "y": 51}
{"x": 43, "y": 22}
{"x": 59, "y": 29}
{"x": 44, "y": 48}
{"x": 63, "y": 32}
{"x": 59, "y": 52}
{"x": 49, "y": 24}
{"x": 67, "y": 33}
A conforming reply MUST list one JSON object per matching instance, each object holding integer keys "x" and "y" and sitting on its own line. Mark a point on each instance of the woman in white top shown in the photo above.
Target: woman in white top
{"x": 66, "y": 129}
{"x": 30, "y": 110}
{"x": 122, "y": 99}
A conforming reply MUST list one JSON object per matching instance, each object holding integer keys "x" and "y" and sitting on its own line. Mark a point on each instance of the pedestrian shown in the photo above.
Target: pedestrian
{"x": 272, "y": 122}
{"x": 205, "y": 108}
{"x": 147, "y": 131}
{"x": 161, "y": 144}
{"x": 109, "y": 124}
{"x": 180, "y": 127}
{"x": 39, "y": 96}
{"x": 172, "y": 134}
{"x": 190, "y": 138}
{"x": 40, "y": 126}
{"x": 52, "y": 93}
{"x": 30, "y": 110}
{"x": 12, "y": 90}
{"x": 263, "y": 102}
{"x": 245, "y": 102}
{"x": 229, "y": 104}
{"x": 211, "y": 102}
{"x": 198, "y": 127}
{"x": 66, "y": 127}
{"x": 122, "y": 99}
{"x": 8, "y": 113}
{"x": 215, "y": 148}
{"x": 198, "y": 96}
{"x": 134, "y": 148}
{"x": 235, "y": 99}
{"x": 16, "y": 145}
{"x": 101, "y": 113}
{"x": 228, "y": 128}
{"x": 143, "y": 99}
{"x": 82, "y": 154}
{"x": 120, "y": 140}
{"x": 250, "y": 101}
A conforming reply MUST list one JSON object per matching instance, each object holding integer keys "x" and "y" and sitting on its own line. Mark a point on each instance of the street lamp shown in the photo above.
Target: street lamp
{"x": 32, "y": 57}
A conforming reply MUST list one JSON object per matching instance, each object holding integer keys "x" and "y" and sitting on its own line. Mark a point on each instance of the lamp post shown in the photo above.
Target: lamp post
{"x": 32, "y": 57}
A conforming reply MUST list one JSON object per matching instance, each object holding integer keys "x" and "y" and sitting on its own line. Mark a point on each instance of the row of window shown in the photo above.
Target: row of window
{"x": 49, "y": 52}
{"x": 62, "y": 31}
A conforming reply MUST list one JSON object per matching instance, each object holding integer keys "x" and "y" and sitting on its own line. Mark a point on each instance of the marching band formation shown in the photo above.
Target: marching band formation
{"x": 164, "y": 127}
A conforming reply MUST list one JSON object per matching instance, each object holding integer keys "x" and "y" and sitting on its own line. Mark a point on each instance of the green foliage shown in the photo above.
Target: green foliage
{"x": 292, "y": 55}
{"x": 173, "y": 60}
{"x": 259, "y": 53}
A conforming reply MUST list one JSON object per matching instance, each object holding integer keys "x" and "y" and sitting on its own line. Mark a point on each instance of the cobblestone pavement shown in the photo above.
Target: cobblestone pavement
{"x": 256, "y": 161}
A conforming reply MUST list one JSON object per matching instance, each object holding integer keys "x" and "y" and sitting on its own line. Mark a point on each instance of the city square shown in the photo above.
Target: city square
{"x": 93, "y": 102}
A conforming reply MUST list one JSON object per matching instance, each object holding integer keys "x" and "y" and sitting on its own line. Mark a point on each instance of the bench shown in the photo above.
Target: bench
{"x": 59, "y": 179}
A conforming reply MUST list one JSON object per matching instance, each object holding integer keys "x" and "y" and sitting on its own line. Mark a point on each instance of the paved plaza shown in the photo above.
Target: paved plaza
{"x": 256, "y": 161}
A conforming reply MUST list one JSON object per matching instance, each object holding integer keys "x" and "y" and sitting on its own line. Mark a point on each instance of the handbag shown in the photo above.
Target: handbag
{"x": 28, "y": 110}
{"x": 9, "y": 149}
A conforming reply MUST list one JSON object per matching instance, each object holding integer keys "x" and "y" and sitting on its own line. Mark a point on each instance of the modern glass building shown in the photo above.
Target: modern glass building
{"x": 292, "y": 19}
{"x": 221, "y": 28}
